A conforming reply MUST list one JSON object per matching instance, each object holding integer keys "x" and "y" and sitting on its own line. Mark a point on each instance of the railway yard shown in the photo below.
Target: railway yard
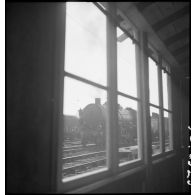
{"x": 78, "y": 159}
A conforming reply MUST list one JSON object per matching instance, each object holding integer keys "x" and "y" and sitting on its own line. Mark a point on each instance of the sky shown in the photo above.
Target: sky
{"x": 165, "y": 90}
{"x": 153, "y": 82}
{"x": 126, "y": 66}
{"x": 85, "y": 52}
{"x": 85, "y": 56}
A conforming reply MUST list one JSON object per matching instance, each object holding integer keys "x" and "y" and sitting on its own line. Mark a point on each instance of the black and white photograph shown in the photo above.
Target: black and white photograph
{"x": 98, "y": 97}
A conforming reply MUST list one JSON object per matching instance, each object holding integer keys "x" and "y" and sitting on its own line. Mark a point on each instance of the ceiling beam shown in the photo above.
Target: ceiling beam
{"x": 184, "y": 61}
{"x": 183, "y": 55}
{"x": 143, "y": 5}
{"x": 136, "y": 17}
{"x": 181, "y": 50}
{"x": 169, "y": 19}
{"x": 185, "y": 66}
{"x": 176, "y": 37}
{"x": 119, "y": 18}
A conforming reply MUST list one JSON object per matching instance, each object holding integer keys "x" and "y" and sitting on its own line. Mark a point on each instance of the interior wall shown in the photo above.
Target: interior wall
{"x": 167, "y": 176}
{"x": 29, "y": 85}
{"x": 133, "y": 184}
{"x": 165, "y": 179}
{"x": 30, "y": 68}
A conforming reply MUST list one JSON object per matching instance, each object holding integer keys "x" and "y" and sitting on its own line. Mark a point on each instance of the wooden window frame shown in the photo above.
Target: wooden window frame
{"x": 161, "y": 108}
{"x": 114, "y": 171}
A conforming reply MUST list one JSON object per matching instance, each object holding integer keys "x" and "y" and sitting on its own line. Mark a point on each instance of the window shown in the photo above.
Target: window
{"x": 128, "y": 137}
{"x": 165, "y": 90}
{"x": 126, "y": 65}
{"x": 96, "y": 51}
{"x": 84, "y": 147}
{"x": 85, "y": 92}
{"x": 153, "y": 82}
{"x": 154, "y": 107}
{"x": 168, "y": 130}
{"x": 155, "y": 128}
{"x": 86, "y": 42}
{"x": 127, "y": 100}
{"x": 85, "y": 121}
{"x": 160, "y": 108}
{"x": 167, "y": 111}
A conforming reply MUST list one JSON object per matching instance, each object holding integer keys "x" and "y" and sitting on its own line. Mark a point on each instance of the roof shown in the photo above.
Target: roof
{"x": 168, "y": 27}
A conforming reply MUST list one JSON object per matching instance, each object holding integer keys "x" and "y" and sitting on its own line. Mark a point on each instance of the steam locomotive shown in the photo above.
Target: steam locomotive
{"x": 90, "y": 127}
{"x": 92, "y": 124}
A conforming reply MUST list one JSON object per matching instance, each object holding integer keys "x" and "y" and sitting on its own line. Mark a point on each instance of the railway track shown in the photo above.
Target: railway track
{"x": 83, "y": 163}
{"x": 85, "y": 166}
{"x": 72, "y": 148}
{"x": 79, "y": 149}
{"x": 83, "y": 156}
{"x": 79, "y": 159}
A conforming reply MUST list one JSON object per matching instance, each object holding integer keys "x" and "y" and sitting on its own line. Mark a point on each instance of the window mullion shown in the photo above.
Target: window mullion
{"x": 139, "y": 95}
{"x": 112, "y": 138}
{"x": 147, "y": 152}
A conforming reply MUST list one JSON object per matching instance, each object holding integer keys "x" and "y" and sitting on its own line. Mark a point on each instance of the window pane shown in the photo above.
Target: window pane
{"x": 155, "y": 128}
{"x": 168, "y": 130}
{"x": 153, "y": 82}
{"x": 126, "y": 65}
{"x": 165, "y": 90}
{"x": 85, "y": 121}
{"x": 85, "y": 52}
{"x": 128, "y": 131}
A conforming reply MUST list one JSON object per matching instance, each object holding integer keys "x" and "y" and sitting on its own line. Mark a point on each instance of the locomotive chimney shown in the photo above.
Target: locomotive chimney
{"x": 97, "y": 101}
{"x": 80, "y": 112}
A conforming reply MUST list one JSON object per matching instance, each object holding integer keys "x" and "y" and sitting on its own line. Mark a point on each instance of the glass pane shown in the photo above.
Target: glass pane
{"x": 165, "y": 90}
{"x": 168, "y": 130}
{"x": 128, "y": 131}
{"x": 126, "y": 65}
{"x": 155, "y": 128}
{"x": 85, "y": 52}
{"x": 85, "y": 121}
{"x": 153, "y": 82}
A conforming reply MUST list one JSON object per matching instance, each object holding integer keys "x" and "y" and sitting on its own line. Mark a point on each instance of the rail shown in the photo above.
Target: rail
{"x": 79, "y": 157}
{"x": 84, "y": 166}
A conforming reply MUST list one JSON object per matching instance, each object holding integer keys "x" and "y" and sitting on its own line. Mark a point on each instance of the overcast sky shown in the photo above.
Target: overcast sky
{"x": 85, "y": 56}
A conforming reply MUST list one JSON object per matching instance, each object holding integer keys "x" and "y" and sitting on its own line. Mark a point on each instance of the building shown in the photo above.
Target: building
{"x": 133, "y": 54}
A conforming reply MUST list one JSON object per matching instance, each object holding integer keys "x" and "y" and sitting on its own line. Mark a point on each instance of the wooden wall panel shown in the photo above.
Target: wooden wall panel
{"x": 29, "y": 84}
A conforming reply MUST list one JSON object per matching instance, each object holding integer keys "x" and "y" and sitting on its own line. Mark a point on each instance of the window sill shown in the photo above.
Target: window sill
{"x": 106, "y": 181}
{"x": 163, "y": 157}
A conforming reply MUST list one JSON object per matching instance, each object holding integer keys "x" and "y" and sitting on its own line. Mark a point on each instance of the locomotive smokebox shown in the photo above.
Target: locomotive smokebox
{"x": 97, "y": 101}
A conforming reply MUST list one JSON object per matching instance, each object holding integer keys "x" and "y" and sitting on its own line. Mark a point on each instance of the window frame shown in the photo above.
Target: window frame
{"x": 160, "y": 102}
{"x": 114, "y": 170}
{"x": 166, "y": 68}
{"x": 132, "y": 164}
{"x": 93, "y": 176}
{"x": 169, "y": 110}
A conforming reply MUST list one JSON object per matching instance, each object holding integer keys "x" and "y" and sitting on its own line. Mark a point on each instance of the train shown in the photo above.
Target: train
{"x": 92, "y": 123}
{"x": 90, "y": 126}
